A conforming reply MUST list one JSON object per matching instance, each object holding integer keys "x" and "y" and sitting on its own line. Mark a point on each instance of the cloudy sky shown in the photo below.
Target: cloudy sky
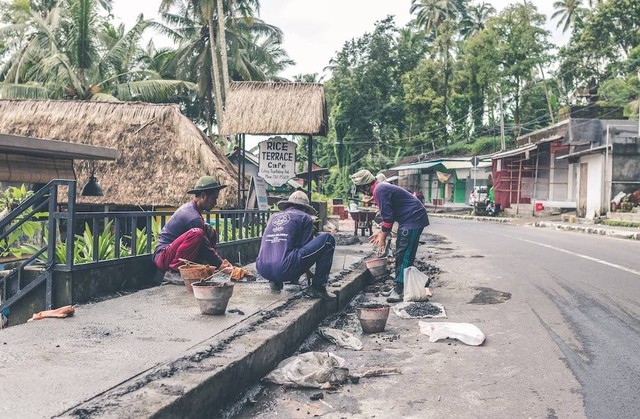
{"x": 314, "y": 30}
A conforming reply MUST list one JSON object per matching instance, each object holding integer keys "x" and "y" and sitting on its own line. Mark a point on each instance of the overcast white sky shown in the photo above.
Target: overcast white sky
{"x": 314, "y": 30}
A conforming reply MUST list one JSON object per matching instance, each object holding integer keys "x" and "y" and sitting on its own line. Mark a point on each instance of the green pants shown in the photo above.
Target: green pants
{"x": 406, "y": 248}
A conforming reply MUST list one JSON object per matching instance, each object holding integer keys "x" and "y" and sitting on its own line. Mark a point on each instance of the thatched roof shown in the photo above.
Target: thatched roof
{"x": 162, "y": 152}
{"x": 266, "y": 108}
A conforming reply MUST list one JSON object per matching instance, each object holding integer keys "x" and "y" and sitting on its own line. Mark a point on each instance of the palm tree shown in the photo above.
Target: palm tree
{"x": 254, "y": 51}
{"x": 431, "y": 14}
{"x": 438, "y": 19}
{"x": 475, "y": 19}
{"x": 72, "y": 53}
{"x": 568, "y": 12}
{"x": 216, "y": 14}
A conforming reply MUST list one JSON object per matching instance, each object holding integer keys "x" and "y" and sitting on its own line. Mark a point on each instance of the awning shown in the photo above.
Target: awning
{"x": 586, "y": 152}
{"x": 39, "y": 147}
{"x": 416, "y": 166}
{"x": 480, "y": 173}
{"x": 30, "y": 169}
{"x": 456, "y": 164}
{"x": 514, "y": 152}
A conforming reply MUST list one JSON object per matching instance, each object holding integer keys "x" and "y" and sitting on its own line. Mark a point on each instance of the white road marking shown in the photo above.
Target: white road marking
{"x": 604, "y": 262}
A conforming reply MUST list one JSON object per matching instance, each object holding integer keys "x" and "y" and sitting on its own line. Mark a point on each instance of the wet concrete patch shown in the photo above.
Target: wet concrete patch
{"x": 347, "y": 240}
{"x": 490, "y": 296}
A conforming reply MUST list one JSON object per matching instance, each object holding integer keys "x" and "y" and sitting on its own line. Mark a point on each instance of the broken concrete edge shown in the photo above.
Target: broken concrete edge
{"x": 472, "y": 217}
{"x": 215, "y": 373}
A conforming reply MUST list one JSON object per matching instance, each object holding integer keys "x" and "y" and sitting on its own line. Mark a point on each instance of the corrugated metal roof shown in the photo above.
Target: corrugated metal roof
{"x": 414, "y": 166}
{"x": 463, "y": 164}
{"x": 593, "y": 150}
{"x": 514, "y": 152}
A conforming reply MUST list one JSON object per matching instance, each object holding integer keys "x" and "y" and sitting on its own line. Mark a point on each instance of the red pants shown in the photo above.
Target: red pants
{"x": 192, "y": 245}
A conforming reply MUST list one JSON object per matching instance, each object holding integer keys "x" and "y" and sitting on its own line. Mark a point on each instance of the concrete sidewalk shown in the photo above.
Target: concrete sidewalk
{"x": 153, "y": 353}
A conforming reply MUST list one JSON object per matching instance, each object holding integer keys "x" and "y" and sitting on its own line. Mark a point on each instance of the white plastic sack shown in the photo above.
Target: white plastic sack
{"x": 310, "y": 369}
{"x": 464, "y": 332}
{"x": 414, "y": 285}
{"x": 341, "y": 338}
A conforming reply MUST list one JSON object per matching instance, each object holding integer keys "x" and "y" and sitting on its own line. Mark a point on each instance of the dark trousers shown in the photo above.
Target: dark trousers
{"x": 318, "y": 251}
{"x": 406, "y": 248}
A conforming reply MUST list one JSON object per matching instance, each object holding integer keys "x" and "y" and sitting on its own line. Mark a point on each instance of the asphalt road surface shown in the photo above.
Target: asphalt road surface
{"x": 564, "y": 342}
{"x": 586, "y": 296}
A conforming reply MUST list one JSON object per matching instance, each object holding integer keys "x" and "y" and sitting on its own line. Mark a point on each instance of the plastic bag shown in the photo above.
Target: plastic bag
{"x": 414, "y": 285}
{"x": 341, "y": 338}
{"x": 310, "y": 369}
{"x": 464, "y": 332}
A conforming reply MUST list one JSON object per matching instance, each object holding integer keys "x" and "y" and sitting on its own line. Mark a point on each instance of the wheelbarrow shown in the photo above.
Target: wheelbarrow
{"x": 362, "y": 220}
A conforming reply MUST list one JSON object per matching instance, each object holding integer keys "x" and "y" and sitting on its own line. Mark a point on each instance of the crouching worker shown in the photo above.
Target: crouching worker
{"x": 396, "y": 205}
{"x": 187, "y": 236}
{"x": 288, "y": 248}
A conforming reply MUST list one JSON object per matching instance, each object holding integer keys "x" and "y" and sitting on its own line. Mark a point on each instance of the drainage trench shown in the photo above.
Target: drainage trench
{"x": 264, "y": 400}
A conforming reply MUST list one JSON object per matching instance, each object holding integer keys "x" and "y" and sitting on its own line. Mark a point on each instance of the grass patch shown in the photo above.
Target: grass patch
{"x": 621, "y": 223}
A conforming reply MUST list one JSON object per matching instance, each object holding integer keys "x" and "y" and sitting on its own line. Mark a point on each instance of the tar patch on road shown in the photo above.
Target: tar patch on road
{"x": 490, "y": 296}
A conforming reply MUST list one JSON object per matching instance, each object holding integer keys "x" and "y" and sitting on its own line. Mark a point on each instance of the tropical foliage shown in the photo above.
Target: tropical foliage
{"x": 462, "y": 77}
{"x": 84, "y": 246}
{"x": 69, "y": 49}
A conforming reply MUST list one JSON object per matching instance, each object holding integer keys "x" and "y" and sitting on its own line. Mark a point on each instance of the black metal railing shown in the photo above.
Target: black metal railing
{"x": 102, "y": 238}
{"x": 30, "y": 211}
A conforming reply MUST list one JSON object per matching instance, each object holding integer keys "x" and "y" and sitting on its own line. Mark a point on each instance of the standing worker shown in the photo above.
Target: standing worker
{"x": 396, "y": 205}
{"x": 187, "y": 236}
{"x": 288, "y": 248}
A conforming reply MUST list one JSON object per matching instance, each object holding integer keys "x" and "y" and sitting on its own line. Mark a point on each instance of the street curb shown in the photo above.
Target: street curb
{"x": 218, "y": 370}
{"x": 472, "y": 217}
{"x": 618, "y": 234}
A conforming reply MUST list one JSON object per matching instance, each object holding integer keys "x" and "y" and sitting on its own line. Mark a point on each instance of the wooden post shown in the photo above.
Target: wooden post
{"x": 309, "y": 164}
{"x": 519, "y": 187}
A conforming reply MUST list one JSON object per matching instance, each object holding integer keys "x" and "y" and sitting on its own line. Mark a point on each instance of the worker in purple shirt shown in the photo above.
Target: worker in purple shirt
{"x": 187, "y": 236}
{"x": 395, "y": 205}
{"x": 288, "y": 248}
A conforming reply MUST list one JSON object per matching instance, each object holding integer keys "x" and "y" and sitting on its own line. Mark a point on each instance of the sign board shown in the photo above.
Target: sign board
{"x": 257, "y": 194}
{"x": 277, "y": 160}
{"x": 475, "y": 160}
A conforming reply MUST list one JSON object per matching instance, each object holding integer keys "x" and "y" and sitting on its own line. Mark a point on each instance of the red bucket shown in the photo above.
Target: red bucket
{"x": 539, "y": 207}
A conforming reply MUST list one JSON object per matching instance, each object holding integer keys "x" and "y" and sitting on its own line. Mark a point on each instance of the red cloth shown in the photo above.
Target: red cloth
{"x": 189, "y": 246}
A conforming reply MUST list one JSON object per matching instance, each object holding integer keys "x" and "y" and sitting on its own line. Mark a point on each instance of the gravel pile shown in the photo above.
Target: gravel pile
{"x": 423, "y": 308}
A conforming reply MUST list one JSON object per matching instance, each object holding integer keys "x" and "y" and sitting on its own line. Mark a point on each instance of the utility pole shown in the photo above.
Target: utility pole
{"x": 638, "y": 105}
{"x": 503, "y": 144}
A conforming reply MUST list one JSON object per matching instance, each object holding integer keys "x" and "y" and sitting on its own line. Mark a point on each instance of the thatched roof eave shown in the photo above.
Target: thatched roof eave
{"x": 268, "y": 108}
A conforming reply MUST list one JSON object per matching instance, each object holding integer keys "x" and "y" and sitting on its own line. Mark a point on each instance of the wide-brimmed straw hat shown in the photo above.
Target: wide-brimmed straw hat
{"x": 299, "y": 200}
{"x": 362, "y": 177}
{"x": 206, "y": 183}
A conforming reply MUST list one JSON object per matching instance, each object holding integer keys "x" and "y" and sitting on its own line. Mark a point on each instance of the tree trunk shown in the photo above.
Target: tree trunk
{"x": 222, "y": 45}
{"x": 215, "y": 69}
{"x": 546, "y": 93}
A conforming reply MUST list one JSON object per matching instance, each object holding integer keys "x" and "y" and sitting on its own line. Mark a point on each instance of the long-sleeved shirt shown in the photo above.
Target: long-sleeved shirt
{"x": 286, "y": 232}
{"x": 186, "y": 217}
{"x": 399, "y": 205}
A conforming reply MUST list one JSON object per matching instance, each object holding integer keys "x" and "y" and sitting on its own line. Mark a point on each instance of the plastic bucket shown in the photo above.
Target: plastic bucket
{"x": 212, "y": 297}
{"x": 373, "y": 318}
{"x": 539, "y": 206}
{"x": 377, "y": 266}
{"x": 194, "y": 273}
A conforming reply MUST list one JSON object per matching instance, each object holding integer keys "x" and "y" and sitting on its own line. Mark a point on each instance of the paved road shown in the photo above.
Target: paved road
{"x": 585, "y": 290}
{"x": 565, "y": 344}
